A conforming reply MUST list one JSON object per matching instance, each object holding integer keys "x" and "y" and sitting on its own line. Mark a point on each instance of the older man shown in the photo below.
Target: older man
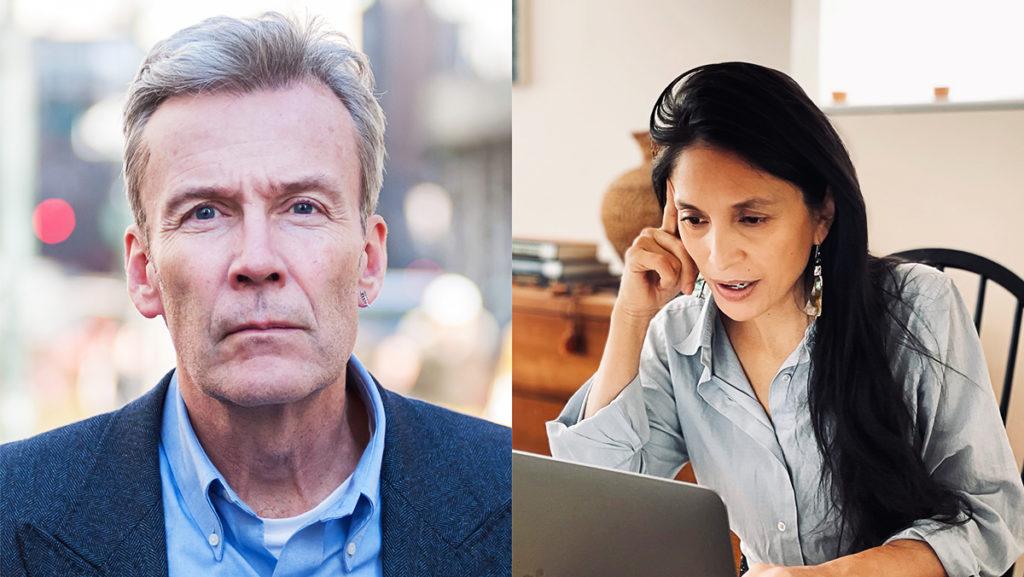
{"x": 253, "y": 161}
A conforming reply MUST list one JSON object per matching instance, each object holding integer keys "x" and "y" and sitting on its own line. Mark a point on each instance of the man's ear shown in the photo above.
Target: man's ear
{"x": 143, "y": 288}
{"x": 374, "y": 258}
{"x": 825, "y": 216}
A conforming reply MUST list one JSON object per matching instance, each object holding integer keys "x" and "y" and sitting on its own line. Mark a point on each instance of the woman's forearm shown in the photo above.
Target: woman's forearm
{"x": 900, "y": 558}
{"x": 620, "y": 361}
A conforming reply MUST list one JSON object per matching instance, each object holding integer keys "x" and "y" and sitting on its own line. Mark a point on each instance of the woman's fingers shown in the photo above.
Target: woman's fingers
{"x": 668, "y": 237}
{"x": 670, "y": 216}
{"x": 672, "y": 244}
{"x": 643, "y": 257}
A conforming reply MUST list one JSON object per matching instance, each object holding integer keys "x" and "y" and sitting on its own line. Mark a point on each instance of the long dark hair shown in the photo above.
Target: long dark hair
{"x": 875, "y": 478}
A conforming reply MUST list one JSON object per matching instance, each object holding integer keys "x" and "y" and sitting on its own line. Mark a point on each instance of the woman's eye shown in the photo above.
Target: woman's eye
{"x": 205, "y": 212}
{"x": 752, "y": 219}
{"x": 303, "y": 208}
{"x": 691, "y": 220}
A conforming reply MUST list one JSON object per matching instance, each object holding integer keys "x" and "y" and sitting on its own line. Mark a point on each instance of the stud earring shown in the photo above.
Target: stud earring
{"x": 364, "y": 301}
{"x": 813, "y": 306}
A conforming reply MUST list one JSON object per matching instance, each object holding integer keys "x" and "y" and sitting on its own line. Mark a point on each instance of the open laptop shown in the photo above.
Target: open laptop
{"x": 571, "y": 520}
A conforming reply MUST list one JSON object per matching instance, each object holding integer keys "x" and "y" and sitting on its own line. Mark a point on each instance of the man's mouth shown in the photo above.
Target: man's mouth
{"x": 263, "y": 327}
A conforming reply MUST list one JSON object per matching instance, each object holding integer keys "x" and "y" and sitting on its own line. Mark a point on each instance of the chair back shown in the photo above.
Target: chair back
{"x": 987, "y": 270}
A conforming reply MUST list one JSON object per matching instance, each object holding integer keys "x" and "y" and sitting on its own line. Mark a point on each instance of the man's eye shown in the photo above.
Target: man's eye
{"x": 205, "y": 212}
{"x": 753, "y": 219}
{"x": 303, "y": 208}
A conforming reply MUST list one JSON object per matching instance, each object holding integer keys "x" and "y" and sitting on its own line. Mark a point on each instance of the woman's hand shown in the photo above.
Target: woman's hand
{"x": 656, "y": 268}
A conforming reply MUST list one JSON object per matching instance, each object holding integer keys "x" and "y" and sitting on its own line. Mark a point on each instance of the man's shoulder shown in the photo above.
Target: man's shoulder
{"x": 71, "y": 496}
{"x": 454, "y": 471}
{"x": 444, "y": 435}
{"x": 40, "y": 477}
{"x": 41, "y": 472}
{"x": 56, "y": 455}
{"x": 447, "y": 420}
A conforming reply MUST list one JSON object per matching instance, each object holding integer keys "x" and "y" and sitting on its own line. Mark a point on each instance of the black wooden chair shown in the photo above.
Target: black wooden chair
{"x": 987, "y": 270}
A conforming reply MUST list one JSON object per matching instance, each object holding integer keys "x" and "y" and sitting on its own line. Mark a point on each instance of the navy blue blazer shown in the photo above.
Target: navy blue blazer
{"x": 85, "y": 500}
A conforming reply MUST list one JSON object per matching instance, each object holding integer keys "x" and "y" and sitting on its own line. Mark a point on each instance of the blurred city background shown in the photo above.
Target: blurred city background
{"x": 71, "y": 343}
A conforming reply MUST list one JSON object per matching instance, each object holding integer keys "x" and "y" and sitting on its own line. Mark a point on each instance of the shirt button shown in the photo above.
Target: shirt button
{"x": 213, "y": 539}
{"x": 785, "y": 378}
{"x": 351, "y": 549}
{"x": 781, "y": 526}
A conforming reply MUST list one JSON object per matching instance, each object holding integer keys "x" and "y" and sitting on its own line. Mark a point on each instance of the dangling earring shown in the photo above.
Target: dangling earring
{"x": 813, "y": 306}
{"x": 699, "y": 285}
{"x": 364, "y": 301}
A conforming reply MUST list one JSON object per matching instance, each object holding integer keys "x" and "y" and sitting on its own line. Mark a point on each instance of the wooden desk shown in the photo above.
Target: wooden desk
{"x": 557, "y": 341}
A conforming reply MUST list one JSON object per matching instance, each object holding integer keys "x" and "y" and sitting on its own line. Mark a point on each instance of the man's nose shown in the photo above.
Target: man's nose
{"x": 258, "y": 261}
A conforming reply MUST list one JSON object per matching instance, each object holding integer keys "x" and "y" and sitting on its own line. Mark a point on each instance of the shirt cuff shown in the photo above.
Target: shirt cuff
{"x": 611, "y": 437}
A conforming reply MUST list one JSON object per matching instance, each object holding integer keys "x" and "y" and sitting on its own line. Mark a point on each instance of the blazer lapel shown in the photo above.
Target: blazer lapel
{"x": 403, "y": 529}
{"x": 115, "y": 525}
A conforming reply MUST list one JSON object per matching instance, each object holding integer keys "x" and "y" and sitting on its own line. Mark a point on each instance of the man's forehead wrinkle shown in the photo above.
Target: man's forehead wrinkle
{"x": 183, "y": 159}
{"x": 184, "y": 153}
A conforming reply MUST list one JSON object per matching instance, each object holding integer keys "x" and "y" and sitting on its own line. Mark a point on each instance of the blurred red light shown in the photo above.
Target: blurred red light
{"x": 53, "y": 220}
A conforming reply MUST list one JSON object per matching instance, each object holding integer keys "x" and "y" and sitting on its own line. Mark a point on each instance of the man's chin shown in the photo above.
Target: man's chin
{"x": 255, "y": 384}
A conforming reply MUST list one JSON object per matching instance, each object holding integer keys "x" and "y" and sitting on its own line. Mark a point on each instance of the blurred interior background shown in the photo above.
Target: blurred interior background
{"x": 71, "y": 343}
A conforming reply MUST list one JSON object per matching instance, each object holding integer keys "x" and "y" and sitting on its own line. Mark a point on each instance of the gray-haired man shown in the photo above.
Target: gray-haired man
{"x": 253, "y": 160}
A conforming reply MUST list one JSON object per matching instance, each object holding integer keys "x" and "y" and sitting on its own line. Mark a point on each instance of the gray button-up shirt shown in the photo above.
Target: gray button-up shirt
{"x": 691, "y": 402}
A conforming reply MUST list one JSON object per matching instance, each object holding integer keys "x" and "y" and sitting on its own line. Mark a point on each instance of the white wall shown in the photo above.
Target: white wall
{"x": 596, "y": 68}
{"x": 952, "y": 180}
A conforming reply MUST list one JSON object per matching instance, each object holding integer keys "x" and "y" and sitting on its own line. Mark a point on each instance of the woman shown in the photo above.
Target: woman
{"x": 837, "y": 402}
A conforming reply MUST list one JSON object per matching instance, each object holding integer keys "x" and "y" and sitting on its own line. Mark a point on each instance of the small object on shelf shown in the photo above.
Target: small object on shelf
{"x": 557, "y": 269}
{"x": 583, "y": 284}
{"x": 941, "y": 93}
{"x": 553, "y": 249}
{"x": 559, "y": 266}
{"x": 838, "y": 98}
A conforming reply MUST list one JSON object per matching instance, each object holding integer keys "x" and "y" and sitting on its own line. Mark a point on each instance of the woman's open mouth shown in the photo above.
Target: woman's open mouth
{"x": 735, "y": 290}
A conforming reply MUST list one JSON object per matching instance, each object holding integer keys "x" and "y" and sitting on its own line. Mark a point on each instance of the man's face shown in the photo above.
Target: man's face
{"x": 256, "y": 254}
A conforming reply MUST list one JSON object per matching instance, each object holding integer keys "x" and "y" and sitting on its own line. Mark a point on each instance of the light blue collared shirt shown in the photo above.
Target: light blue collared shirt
{"x": 210, "y": 531}
{"x": 692, "y": 402}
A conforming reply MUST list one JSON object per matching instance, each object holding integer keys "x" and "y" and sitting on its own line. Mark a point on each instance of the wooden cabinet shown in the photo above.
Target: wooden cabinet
{"x": 557, "y": 341}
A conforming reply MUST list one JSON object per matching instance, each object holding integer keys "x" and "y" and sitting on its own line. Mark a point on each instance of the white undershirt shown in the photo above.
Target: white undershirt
{"x": 277, "y": 532}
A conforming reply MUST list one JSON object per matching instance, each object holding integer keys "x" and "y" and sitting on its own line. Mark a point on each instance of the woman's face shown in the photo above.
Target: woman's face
{"x": 749, "y": 233}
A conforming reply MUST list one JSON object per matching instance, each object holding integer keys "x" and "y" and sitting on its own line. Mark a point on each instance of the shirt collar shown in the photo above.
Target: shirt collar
{"x": 702, "y": 333}
{"x": 195, "y": 476}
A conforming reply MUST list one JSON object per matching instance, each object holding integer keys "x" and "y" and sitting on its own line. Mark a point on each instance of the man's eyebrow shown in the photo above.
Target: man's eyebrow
{"x": 317, "y": 182}
{"x": 203, "y": 192}
{"x": 754, "y": 202}
{"x": 192, "y": 193}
